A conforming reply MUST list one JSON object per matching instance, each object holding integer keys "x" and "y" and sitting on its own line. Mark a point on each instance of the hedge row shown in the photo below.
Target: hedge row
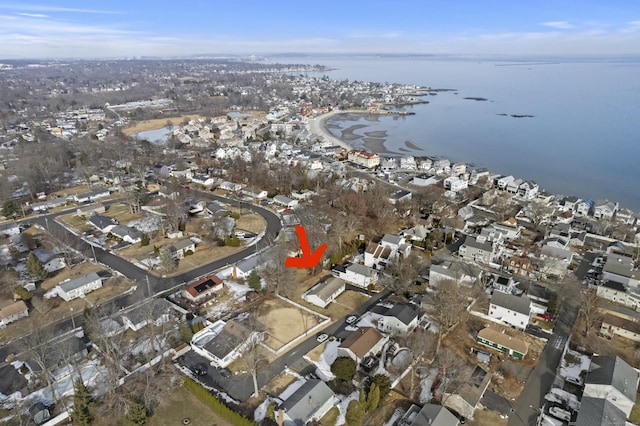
{"x": 215, "y": 404}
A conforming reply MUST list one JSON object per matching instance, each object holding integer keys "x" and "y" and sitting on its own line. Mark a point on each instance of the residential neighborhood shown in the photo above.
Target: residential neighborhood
{"x": 446, "y": 293}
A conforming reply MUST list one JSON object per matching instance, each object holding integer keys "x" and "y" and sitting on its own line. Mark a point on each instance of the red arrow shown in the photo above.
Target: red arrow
{"x": 308, "y": 259}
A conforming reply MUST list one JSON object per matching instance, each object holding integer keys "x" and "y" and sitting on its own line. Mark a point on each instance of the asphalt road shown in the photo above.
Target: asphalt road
{"x": 240, "y": 387}
{"x": 155, "y": 285}
{"x": 526, "y": 407}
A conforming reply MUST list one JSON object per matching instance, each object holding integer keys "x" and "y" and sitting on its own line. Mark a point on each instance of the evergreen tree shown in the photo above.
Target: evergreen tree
{"x": 254, "y": 281}
{"x": 344, "y": 368}
{"x": 167, "y": 261}
{"x": 373, "y": 399}
{"x": 10, "y": 209}
{"x": 383, "y": 383}
{"x": 35, "y": 268}
{"x": 355, "y": 414}
{"x": 82, "y": 413}
{"x": 136, "y": 415}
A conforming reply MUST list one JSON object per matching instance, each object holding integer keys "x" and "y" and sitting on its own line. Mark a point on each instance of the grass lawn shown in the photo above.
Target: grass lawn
{"x": 76, "y": 222}
{"x": 70, "y": 273}
{"x": 251, "y": 223}
{"x": 634, "y": 417}
{"x": 330, "y": 418}
{"x": 182, "y": 405}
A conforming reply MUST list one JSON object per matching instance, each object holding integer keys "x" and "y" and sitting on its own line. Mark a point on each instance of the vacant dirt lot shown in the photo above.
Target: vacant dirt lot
{"x": 156, "y": 123}
{"x": 284, "y": 322}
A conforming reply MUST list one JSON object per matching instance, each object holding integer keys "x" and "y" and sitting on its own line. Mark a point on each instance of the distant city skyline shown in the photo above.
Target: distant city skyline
{"x": 74, "y": 29}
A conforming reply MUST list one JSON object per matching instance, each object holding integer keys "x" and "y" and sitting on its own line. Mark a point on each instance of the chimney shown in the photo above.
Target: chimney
{"x": 235, "y": 272}
{"x": 280, "y": 417}
{"x": 310, "y": 400}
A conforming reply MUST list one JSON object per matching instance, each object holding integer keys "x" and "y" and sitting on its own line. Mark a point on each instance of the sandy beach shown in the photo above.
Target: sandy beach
{"x": 317, "y": 127}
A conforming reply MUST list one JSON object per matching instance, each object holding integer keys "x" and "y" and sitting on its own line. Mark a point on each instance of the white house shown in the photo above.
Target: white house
{"x": 424, "y": 179}
{"x": 13, "y": 312}
{"x": 510, "y": 309}
{"x": 223, "y": 342}
{"x": 181, "y": 247}
{"x": 361, "y": 343}
{"x": 503, "y": 181}
{"x": 78, "y": 287}
{"x": 612, "y": 379}
{"x": 203, "y": 289}
{"x": 325, "y": 292}
{"x": 364, "y": 158}
{"x": 528, "y": 190}
{"x": 605, "y": 210}
{"x": 390, "y": 248}
{"x": 353, "y": 273}
{"x": 399, "y": 319}
{"x": 285, "y": 201}
{"x": 308, "y": 403}
{"x": 455, "y": 184}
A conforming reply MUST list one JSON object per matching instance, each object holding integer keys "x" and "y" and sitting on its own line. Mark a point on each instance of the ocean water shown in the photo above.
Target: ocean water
{"x": 583, "y": 137}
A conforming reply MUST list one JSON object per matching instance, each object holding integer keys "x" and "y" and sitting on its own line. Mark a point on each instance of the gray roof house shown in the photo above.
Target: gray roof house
{"x": 598, "y": 411}
{"x": 103, "y": 223}
{"x": 510, "y": 309}
{"x": 434, "y": 415}
{"x": 310, "y": 402}
{"x": 80, "y": 286}
{"x": 324, "y": 292}
{"x": 127, "y": 233}
{"x": 474, "y": 250}
{"x": 611, "y": 378}
{"x": 399, "y": 319}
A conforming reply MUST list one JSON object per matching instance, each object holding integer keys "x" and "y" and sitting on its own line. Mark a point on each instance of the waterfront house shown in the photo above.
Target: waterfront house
{"x": 362, "y": 158}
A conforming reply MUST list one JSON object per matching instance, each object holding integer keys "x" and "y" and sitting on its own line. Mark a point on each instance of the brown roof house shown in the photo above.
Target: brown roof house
{"x": 502, "y": 342}
{"x": 13, "y": 312}
{"x": 204, "y": 289}
{"x": 361, "y": 343}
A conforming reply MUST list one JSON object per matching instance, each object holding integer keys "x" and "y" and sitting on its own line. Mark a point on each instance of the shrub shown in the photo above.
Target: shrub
{"x": 344, "y": 368}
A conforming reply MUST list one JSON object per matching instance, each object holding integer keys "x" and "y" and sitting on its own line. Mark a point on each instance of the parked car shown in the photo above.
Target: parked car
{"x": 322, "y": 337}
{"x": 559, "y": 413}
{"x": 459, "y": 416}
{"x": 200, "y": 369}
{"x": 224, "y": 372}
{"x": 351, "y": 319}
{"x": 546, "y": 316}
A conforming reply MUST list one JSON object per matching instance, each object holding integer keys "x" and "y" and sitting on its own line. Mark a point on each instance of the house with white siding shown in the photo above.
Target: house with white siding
{"x": 324, "y": 292}
{"x": 13, "y": 311}
{"x": 510, "y": 309}
{"x": 79, "y": 287}
{"x": 356, "y": 274}
{"x": 612, "y": 379}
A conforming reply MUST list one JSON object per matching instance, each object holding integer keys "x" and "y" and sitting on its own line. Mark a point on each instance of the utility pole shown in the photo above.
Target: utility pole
{"x": 148, "y": 285}
{"x": 93, "y": 250}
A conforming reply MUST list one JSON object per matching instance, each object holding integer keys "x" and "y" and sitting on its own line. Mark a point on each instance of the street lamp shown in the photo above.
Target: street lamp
{"x": 73, "y": 320}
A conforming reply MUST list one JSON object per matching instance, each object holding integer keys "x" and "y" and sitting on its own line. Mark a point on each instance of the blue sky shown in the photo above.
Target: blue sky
{"x": 160, "y": 28}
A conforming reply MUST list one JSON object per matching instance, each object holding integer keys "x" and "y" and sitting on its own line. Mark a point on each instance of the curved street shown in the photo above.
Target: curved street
{"x": 156, "y": 285}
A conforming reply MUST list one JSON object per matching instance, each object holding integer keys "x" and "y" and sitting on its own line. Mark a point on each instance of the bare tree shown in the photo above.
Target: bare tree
{"x": 41, "y": 353}
{"x": 449, "y": 308}
{"x": 421, "y": 343}
{"x": 402, "y": 273}
{"x": 278, "y": 277}
{"x": 454, "y": 371}
{"x": 590, "y": 310}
